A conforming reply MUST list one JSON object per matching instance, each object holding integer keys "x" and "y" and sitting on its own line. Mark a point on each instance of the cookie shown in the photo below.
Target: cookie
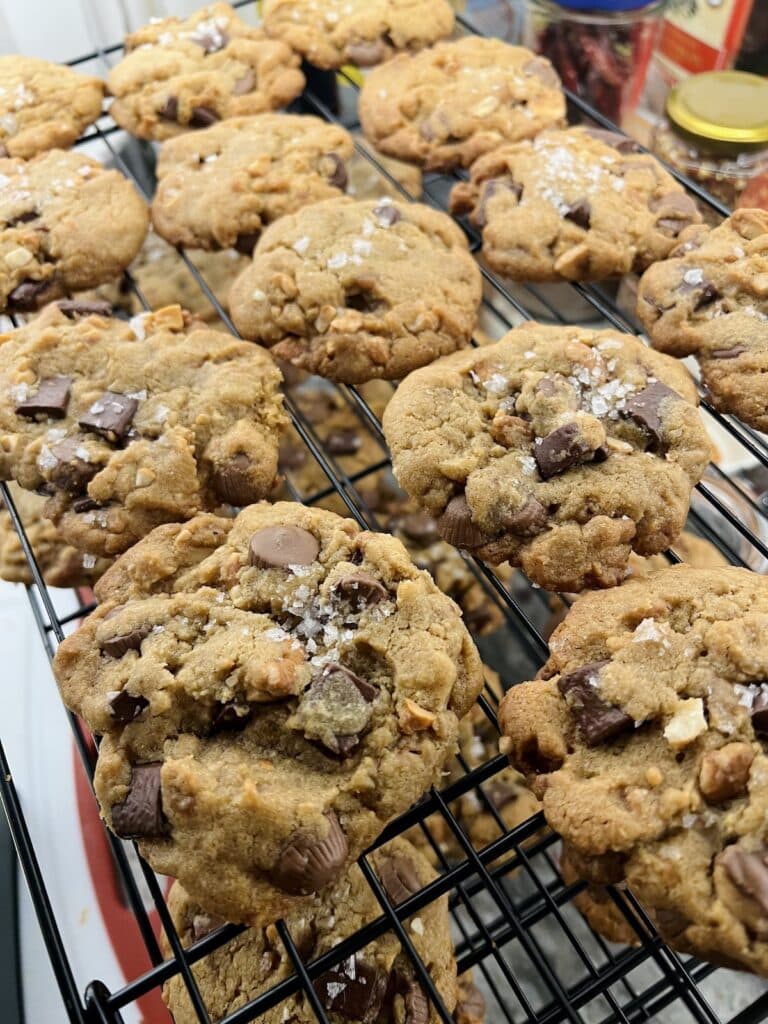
{"x": 710, "y": 300}
{"x": 597, "y": 906}
{"x": 356, "y": 291}
{"x": 219, "y": 188}
{"x": 561, "y": 449}
{"x": 573, "y": 205}
{"x": 361, "y": 32}
{"x": 285, "y": 685}
{"x": 178, "y": 75}
{"x": 689, "y": 548}
{"x": 645, "y": 741}
{"x": 129, "y": 425}
{"x": 378, "y": 983}
{"x": 60, "y": 564}
{"x": 43, "y": 105}
{"x": 448, "y": 105}
{"x": 66, "y": 224}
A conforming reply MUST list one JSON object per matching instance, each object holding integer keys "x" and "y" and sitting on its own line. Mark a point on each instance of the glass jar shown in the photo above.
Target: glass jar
{"x": 716, "y": 131}
{"x": 600, "y": 48}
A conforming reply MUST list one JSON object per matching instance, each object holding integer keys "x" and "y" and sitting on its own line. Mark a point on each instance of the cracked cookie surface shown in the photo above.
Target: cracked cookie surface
{"x": 220, "y": 187}
{"x": 179, "y": 75}
{"x": 645, "y": 740}
{"x": 448, "y": 105}
{"x": 66, "y": 224}
{"x": 379, "y": 982}
{"x": 331, "y": 33}
{"x": 129, "y": 425}
{"x": 44, "y": 105}
{"x": 272, "y": 690}
{"x": 710, "y": 300}
{"x": 356, "y": 291}
{"x": 559, "y": 448}
{"x": 573, "y": 205}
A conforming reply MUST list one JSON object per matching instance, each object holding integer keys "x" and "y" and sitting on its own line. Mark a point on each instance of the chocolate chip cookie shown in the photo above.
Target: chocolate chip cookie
{"x": 559, "y": 448}
{"x": 128, "y": 425}
{"x": 448, "y": 105}
{"x": 60, "y": 563}
{"x": 596, "y": 904}
{"x": 177, "y": 74}
{"x": 357, "y": 291}
{"x": 272, "y": 690}
{"x": 43, "y": 105}
{"x": 377, "y": 983}
{"x": 710, "y": 300}
{"x": 219, "y": 188}
{"x": 361, "y": 32}
{"x": 645, "y": 740}
{"x": 66, "y": 224}
{"x": 571, "y": 205}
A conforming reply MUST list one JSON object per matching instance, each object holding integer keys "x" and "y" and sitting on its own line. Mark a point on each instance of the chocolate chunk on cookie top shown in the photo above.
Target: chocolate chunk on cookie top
{"x": 358, "y": 291}
{"x": 179, "y": 74}
{"x": 362, "y": 32}
{"x": 294, "y": 683}
{"x": 644, "y": 739}
{"x": 66, "y": 224}
{"x": 128, "y": 425}
{"x": 449, "y": 105}
{"x": 567, "y": 205}
{"x": 220, "y": 187}
{"x": 559, "y": 448}
{"x": 710, "y": 300}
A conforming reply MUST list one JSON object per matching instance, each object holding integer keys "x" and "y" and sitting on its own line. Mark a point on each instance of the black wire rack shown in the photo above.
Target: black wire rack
{"x": 514, "y": 922}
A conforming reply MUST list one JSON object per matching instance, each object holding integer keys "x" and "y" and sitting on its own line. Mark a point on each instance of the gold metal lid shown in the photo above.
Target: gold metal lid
{"x": 722, "y": 106}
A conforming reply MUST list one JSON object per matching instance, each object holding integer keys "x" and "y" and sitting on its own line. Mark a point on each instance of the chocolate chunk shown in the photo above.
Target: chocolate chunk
{"x": 643, "y": 408}
{"x": 706, "y": 296}
{"x": 470, "y": 1009}
{"x": 307, "y": 862}
{"x": 597, "y": 720}
{"x": 530, "y": 518}
{"x": 416, "y": 1003}
{"x": 291, "y": 457}
{"x": 244, "y": 84}
{"x": 676, "y": 211}
{"x": 541, "y": 68}
{"x": 29, "y": 295}
{"x": 492, "y": 188}
{"x": 230, "y": 716}
{"x": 170, "y": 109}
{"x": 110, "y": 416}
{"x": 203, "y": 117}
{"x": 759, "y": 710}
{"x": 398, "y": 877}
{"x": 728, "y": 353}
{"x": 85, "y": 505}
{"x": 418, "y": 527}
{"x": 456, "y": 526}
{"x": 80, "y": 307}
{"x": 117, "y": 646}
{"x": 615, "y": 140}
{"x": 343, "y": 442}
{"x": 51, "y": 399}
{"x": 246, "y": 242}
{"x": 354, "y": 990}
{"x": 335, "y": 709}
{"x": 277, "y": 547}
{"x": 360, "y": 589}
{"x": 211, "y": 41}
{"x": 232, "y": 482}
{"x": 748, "y": 872}
{"x": 560, "y": 450}
{"x": 366, "y": 52}
{"x": 23, "y": 218}
{"x": 140, "y": 815}
{"x": 124, "y": 707}
{"x": 387, "y": 214}
{"x": 338, "y": 176}
{"x": 580, "y": 213}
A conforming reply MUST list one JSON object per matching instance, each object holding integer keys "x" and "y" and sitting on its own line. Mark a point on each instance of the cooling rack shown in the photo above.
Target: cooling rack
{"x": 513, "y": 918}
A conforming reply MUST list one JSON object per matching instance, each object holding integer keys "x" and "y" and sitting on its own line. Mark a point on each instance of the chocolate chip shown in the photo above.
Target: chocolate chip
{"x": 110, "y": 416}
{"x": 470, "y": 1009}
{"x": 387, "y": 214}
{"x": 29, "y": 295}
{"x": 170, "y": 109}
{"x": 728, "y": 353}
{"x": 416, "y": 1003}
{"x": 366, "y": 52}
{"x": 418, "y": 527}
{"x": 124, "y": 707}
{"x": 490, "y": 189}
{"x": 338, "y": 176}
{"x": 706, "y": 296}
{"x": 360, "y": 589}
{"x": 580, "y": 213}
{"x": 232, "y": 481}
{"x": 117, "y": 646}
{"x": 676, "y": 211}
{"x": 80, "y": 307}
{"x": 307, "y": 862}
{"x": 335, "y": 709}
{"x": 560, "y": 450}
{"x": 245, "y": 243}
{"x": 23, "y": 218}
{"x": 85, "y": 505}
{"x": 759, "y": 710}
{"x": 398, "y": 877}
{"x": 748, "y": 872}
{"x": 51, "y": 399}
{"x": 203, "y": 117}
{"x": 244, "y": 84}
{"x": 456, "y": 526}
{"x": 230, "y": 716}
{"x": 345, "y": 441}
{"x": 597, "y": 720}
{"x": 643, "y": 408}
{"x": 530, "y": 518}
{"x": 140, "y": 815}
{"x": 615, "y": 140}
{"x": 354, "y": 990}
{"x": 277, "y": 547}
{"x": 541, "y": 68}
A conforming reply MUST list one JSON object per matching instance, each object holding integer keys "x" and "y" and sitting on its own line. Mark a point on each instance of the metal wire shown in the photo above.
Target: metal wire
{"x": 507, "y": 900}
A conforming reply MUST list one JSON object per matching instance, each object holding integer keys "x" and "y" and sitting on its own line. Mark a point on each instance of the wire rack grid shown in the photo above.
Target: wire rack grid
{"x": 514, "y": 922}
